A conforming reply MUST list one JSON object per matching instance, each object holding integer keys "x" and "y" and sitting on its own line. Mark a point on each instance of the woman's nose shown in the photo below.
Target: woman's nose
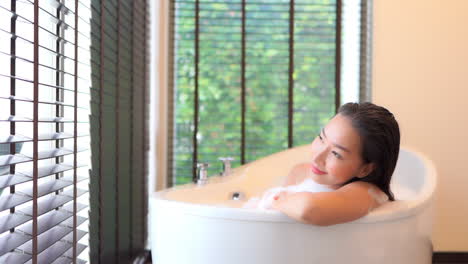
{"x": 319, "y": 155}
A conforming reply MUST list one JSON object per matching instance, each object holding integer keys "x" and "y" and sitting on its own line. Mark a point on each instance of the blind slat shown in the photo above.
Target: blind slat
{"x": 25, "y": 99}
{"x": 55, "y": 119}
{"x": 10, "y": 221}
{"x": 10, "y": 159}
{"x": 24, "y": 19}
{"x": 20, "y": 177}
{"x": 46, "y": 222}
{"x": 41, "y": 84}
{"x": 79, "y": 248}
{"x": 58, "y": 249}
{"x": 50, "y": 136}
{"x": 69, "y": 222}
{"x": 11, "y": 200}
{"x": 69, "y": 207}
{"x": 13, "y": 139}
{"x": 48, "y": 187}
{"x": 50, "y": 169}
{"x": 14, "y": 257}
{"x": 58, "y": 152}
{"x": 52, "y": 201}
{"x": 46, "y": 239}
{"x": 11, "y": 241}
{"x": 48, "y": 49}
{"x": 67, "y": 260}
{"x": 12, "y": 179}
{"x": 56, "y": 5}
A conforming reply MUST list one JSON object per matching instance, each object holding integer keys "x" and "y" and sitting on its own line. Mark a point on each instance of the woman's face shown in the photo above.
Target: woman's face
{"x": 336, "y": 154}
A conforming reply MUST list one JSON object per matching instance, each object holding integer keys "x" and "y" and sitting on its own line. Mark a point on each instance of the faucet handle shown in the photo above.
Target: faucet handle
{"x": 226, "y": 165}
{"x": 223, "y": 159}
{"x": 202, "y": 165}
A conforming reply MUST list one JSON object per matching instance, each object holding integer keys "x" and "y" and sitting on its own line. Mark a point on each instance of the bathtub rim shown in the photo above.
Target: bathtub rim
{"x": 388, "y": 212}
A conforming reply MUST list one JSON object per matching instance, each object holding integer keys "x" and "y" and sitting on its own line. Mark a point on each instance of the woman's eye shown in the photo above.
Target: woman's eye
{"x": 320, "y": 137}
{"x": 336, "y": 154}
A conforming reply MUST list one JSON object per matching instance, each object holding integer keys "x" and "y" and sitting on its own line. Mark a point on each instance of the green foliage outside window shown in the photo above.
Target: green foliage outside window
{"x": 266, "y": 78}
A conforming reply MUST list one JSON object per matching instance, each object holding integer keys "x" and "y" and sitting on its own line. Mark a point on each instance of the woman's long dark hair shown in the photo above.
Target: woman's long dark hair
{"x": 380, "y": 138}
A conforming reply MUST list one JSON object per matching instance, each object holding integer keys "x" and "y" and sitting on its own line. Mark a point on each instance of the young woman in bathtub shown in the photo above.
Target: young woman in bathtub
{"x": 352, "y": 162}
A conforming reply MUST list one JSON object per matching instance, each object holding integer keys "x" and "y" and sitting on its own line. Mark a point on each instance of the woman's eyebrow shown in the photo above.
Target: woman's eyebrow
{"x": 334, "y": 144}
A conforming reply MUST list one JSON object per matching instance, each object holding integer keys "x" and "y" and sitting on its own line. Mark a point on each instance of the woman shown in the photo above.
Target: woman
{"x": 352, "y": 162}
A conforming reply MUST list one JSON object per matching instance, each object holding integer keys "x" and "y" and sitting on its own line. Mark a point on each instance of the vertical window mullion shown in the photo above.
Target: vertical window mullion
{"x": 196, "y": 97}
{"x": 338, "y": 53}
{"x": 290, "y": 76}
{"x": 243, "y": 106}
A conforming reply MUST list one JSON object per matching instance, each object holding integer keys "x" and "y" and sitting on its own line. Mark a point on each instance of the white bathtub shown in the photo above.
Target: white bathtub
{"x": 200, "y": 225}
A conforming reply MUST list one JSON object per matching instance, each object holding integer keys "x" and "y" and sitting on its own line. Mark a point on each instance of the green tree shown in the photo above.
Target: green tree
{"x": 266, "y": 78}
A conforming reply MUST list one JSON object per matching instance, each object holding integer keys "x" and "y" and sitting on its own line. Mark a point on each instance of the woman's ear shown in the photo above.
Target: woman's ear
{"x": 365, "y": 170}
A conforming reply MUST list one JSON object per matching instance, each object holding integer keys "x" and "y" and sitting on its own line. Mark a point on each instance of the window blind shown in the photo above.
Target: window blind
{"x": 119, "y": 129}
{"x": 44, "y": 130}
{"x": 74, "y": 86}
{"x": 249, "y": 78}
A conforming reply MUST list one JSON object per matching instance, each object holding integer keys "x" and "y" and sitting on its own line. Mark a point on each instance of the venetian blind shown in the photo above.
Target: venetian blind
{"x": 119, "y": 129}
{"x": 74, "y": 86}
{"x": 45, "y": 75}
{"x": 249, "y": 78}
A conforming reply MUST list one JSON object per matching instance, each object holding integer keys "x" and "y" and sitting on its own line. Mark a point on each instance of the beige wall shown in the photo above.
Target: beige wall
{"x": 420, "y": 72}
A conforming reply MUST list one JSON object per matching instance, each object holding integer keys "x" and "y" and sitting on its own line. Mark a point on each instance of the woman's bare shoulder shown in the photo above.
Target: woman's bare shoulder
{"x": 364, "y": 189}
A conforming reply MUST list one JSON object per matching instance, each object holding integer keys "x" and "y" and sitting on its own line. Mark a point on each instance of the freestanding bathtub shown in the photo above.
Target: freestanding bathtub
{"x": 193, "y": 224}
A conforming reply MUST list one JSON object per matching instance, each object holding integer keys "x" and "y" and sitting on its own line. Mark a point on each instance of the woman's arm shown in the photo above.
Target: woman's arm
{"x": 346, "y": 204}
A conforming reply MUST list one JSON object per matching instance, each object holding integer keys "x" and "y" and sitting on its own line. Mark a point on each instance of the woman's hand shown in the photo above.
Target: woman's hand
{"x": 292, "y": 204}
{"x": 279, "y": 199}
{"x": 274, "y": 199}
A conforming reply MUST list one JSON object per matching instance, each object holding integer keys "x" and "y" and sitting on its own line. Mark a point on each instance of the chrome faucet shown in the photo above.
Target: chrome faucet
{"x": 202, "y": 173}
{"x": 226, "y": 165}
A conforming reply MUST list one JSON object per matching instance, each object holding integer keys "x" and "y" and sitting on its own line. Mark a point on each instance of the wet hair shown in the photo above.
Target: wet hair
{"x": 380, "y": 141}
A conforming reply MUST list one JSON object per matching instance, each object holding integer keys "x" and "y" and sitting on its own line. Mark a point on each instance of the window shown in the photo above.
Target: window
{"x": 44, "y": 130}
{"x": 250, "y": 78}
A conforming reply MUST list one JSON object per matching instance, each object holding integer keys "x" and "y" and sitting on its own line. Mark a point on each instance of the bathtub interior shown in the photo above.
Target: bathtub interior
{"x": 411, "y": 176}
{"x": 411, "y": 179}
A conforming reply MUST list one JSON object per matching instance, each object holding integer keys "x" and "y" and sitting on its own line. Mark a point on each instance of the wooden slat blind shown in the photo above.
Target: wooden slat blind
{"x": 119, "y": 145}
{"x": 44, "y": 131}
{"x": 74, "y": 89}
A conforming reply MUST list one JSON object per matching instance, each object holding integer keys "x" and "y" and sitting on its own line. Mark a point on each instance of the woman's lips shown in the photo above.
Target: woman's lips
{"x": 317, "y": 171}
